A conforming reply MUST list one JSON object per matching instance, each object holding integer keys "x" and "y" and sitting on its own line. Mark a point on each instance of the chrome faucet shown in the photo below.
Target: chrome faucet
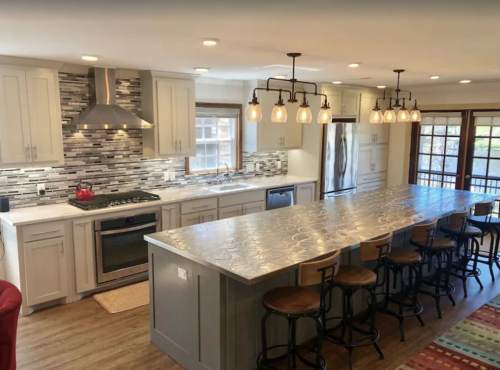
{"x": 227, "y": 170}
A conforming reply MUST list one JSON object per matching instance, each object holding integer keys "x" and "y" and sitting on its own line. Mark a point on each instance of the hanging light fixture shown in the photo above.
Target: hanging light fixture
{"x": 253, "y": 112}
{"x": 304, "y": 114}
{"x": 279, "y": 111}
{"x": 325, "y": 113}
{"x": 390, "y": 115}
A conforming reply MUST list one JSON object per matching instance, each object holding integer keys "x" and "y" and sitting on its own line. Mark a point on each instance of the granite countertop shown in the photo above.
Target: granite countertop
{"x": 254, "y": 247}
{"x": 31, "y": 215}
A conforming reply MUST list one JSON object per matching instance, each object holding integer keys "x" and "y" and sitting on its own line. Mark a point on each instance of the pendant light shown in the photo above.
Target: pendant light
{"x": 325, "y": 113}
{"x": 376, "y": 117}
{"x": 415, "y": 115}
{"x": 279, "y": 113}
{"x": 390, "y": 115}
{"x": 403, "y": 114}
{"x": 304, "y": 114}
{"x": 253, "y": 112}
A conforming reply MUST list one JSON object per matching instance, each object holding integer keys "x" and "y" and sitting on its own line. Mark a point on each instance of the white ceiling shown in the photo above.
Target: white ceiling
{"x": 457, "y": 39}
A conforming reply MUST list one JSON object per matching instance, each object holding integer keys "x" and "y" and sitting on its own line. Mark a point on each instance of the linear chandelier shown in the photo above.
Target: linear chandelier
{"x": 389, "y": 115}
{"x": 253, "y": 112}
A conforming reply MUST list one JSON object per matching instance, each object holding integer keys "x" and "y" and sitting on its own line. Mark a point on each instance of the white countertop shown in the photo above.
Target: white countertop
{"x": 32, "y": 215}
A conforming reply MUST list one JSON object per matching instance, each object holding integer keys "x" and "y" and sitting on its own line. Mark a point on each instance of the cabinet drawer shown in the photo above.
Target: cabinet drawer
{"x": 198, "y": 205}
{"x": 371, "y": 177}
{"x": 43, "y": 231}
{"x": 241, "y": 198}
{"x": 371, "y": 186}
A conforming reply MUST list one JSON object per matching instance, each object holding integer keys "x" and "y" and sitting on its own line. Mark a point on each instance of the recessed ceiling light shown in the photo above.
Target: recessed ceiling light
{"x": 281, "y": 77}
{"x": 354, "y": 65}
{"x": 210, "y": 42}
{"x": 381, "y": 87}
{"x": 465, "y": 81}
{"x": 336, "y": 82}
{"x": 89, "y": 58}
{"x": 435, "y": 77}
{"x": 201, "y": 69}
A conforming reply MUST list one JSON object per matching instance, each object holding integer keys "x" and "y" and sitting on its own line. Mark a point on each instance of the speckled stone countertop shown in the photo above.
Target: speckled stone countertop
{"x": 254, "y": 247}
{"x": 31, "y": 215}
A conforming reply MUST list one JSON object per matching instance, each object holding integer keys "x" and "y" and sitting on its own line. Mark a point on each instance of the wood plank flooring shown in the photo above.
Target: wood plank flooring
{"x": 82, "y": 336}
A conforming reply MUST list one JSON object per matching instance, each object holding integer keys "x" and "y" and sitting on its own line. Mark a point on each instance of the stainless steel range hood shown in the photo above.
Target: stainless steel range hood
{"x": 103, "y": 113}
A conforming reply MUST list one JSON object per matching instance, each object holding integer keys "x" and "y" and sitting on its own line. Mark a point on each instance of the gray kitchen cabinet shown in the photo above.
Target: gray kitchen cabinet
{"x": 170, "y": 217}
{"x": 242, "y": 209}
{"x": 83, "y": 244}
{"x": 305, "y": 193}
{"x": 198, "y": 218}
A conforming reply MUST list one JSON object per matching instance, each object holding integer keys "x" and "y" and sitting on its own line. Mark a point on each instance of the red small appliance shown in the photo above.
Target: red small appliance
{"x": 84, "y": 191}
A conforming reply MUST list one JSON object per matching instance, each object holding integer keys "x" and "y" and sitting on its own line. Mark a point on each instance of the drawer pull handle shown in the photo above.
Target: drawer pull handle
{"x": 206, "y": 205}
{"x": 46, "y": 232}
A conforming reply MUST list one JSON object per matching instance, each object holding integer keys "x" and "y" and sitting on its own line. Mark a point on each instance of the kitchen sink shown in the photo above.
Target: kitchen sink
{"x": 224, "y": 188}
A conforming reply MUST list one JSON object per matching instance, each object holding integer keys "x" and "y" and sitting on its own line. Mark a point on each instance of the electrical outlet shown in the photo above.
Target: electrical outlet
{"x": 279, "y": 165}
{"x": 172, "y": 175}
{"x": 250, "y": 167}
{"x": 40, "y": 189}
{"x": 257, "y": 166}
{"x": 182, "y": 274}
{"x": 166, "y": 176}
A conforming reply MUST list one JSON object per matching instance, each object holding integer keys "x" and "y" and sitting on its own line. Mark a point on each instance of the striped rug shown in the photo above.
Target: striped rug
{"x": 472, "y": 344}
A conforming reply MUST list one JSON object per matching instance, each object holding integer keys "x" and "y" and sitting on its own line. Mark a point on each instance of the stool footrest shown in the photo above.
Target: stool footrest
{"x": 265, "y": 364}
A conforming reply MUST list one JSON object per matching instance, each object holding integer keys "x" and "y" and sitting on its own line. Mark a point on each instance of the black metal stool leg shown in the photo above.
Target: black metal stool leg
{"x": 319, "y": 346}
{"x": 401, "y": 307}
{"x": 294, "y": 343}
{"x": 264, "y": 335}
{"x": 372, "y": 323}
{"x": 475, "y": 247}
{"x": 449, "y": 265}
{"x": 438, "y": 285}
{"x": 290, "y": 345}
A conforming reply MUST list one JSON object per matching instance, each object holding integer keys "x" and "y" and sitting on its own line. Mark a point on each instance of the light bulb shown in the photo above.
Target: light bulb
{"x": 304, "y": 115}
{"x": 376, "y": 116}
{"x": 253, "y": 112}
{"x": 325, "y": 115}
{"x": 403, "y": 115}
{"x": 390, "y": 116}
{"x": 415, "y": 115}
{"x": 279, "y": 114}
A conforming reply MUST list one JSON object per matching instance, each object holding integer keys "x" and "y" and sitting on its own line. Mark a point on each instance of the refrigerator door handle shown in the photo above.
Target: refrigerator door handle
{"x": 345, "y": 149}
{"x": 339, "y": 155}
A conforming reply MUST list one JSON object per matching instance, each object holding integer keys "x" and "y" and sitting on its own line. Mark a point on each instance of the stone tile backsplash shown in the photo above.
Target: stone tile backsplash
{"x": 110, "y": 159}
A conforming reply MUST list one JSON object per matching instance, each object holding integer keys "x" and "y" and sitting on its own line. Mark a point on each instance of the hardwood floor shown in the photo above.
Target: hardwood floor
{"x": 83, "y": 335}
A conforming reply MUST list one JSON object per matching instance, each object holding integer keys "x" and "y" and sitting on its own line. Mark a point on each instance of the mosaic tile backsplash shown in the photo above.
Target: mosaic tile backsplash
{"x": 110, "y": 159}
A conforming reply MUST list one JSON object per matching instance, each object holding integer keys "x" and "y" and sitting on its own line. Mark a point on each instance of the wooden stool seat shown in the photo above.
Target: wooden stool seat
{"x": 398, "y": 255}
{"x": 468, "y": 231}
{"x": 439, "y": 243}
{"x": 293, "y": 300}
{"x": 355, "y": 276}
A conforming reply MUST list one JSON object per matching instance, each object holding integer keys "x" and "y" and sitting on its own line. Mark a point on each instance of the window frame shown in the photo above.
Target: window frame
{"x": 238, "y": 137}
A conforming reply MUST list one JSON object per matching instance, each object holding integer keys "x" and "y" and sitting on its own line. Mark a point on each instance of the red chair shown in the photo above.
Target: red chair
{"x": 10, "y": 305}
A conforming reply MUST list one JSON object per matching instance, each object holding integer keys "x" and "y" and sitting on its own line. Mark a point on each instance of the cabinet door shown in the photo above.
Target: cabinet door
{"x": 305, "y": 193}
{"x": 232, "y": 211}
{"x": 15, "y": 137}
{"x": 191, "y": 219}
{"x": 165, "y": 113}
{"x": 185, "y": 126}
{"x": 366, "y": 129}
{"x": 45, "y": 266}
{"x": 380, "y": 156}
{"x": 45, "y": 116}
{"x": 209, "y": 216}
{"x": 292, "y": 131}
{"x": 254, "y": 207}
{"x": 170, "y": 217}
{"x": 370, "y": 186}
{"x": 83, "y": 242}
{"x": 335, "y": 101}
{"x": 365, "y": 160}
{"x": 381, "y": 133}
{"x": 350, "y": 102}
{"x": 270, "y": 134}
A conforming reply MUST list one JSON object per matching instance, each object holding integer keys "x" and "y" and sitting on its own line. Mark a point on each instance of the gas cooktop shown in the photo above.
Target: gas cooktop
{"x": 114, "y": 199}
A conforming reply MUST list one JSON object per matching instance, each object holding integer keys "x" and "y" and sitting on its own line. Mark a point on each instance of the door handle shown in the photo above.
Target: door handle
{"x": 62, "y": 247}
{"x": 244, "y": 210}
{"x": 376, "y": 138}
{"x": 27, "y": 152}
{"x": 35, "y": 152}
{"x": 202, "y": 219}
{"x": 468, "y": 177}
{"x": 175, "y": 145}
{"x": 180, "y": 145}
{"x": 284, "y": 140}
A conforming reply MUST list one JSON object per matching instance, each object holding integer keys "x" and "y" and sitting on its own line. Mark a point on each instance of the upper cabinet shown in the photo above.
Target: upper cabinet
{"x": 343, "y": 102}
{"x": 30, "y": 117}
{"x": 169, "y": 104}
{"x": 267, "y": 135}
{"x": 371, "y": 133}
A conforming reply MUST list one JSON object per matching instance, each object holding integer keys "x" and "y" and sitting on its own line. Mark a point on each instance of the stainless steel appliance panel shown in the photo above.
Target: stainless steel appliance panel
{"x": 280, "y": 197}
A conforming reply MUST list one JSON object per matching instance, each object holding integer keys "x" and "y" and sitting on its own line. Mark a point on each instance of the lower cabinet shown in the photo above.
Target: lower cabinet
{"x": 83, "y": 242}
{"x": 370, "y": 186}
{"x": 45, "y": 269}
{"x": 198, "y": 218}
{"x": 305, "y": 193}
{"x": 241, "y": 209}
{"x": 170, "y": 217}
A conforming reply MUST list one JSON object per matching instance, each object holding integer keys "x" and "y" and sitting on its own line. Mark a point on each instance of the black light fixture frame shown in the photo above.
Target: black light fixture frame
{"x": 292, "y": 93}
{"x": 397, "y": 99}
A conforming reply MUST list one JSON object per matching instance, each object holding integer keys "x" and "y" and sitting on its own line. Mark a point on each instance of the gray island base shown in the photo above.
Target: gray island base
{"x": 207, "y": 281}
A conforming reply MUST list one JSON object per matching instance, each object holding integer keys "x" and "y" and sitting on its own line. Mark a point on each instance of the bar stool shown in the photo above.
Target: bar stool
{"x": 429, "y": 246}
{"x": 465, "y": 236}
{"x": 297, "y": 302}
{"x": 483, "y": 220}
{"x": 350, "y": 279}
{"x": 406, "y": 299}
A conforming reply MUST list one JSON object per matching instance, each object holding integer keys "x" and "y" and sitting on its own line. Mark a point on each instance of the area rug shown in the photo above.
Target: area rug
{"x": 125, "y": 298}
{"x": 474, "y": 343}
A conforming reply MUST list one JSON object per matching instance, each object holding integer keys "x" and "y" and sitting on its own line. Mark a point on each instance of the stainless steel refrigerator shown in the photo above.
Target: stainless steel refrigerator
{"x": 340, "y": 159}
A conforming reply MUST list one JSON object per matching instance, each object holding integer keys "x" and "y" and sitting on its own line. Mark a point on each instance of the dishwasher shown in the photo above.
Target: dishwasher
{"x": 280, "y": 197}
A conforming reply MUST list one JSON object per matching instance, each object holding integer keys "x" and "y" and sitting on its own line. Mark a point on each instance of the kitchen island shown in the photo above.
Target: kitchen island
{"x": 207, "y": 281}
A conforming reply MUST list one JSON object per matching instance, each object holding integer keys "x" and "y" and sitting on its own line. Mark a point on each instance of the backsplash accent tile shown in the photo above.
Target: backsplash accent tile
{"x": 110, "y": 159}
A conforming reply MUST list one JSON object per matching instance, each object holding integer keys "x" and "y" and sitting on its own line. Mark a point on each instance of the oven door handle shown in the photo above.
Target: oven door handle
{"x": 121, "y": 231}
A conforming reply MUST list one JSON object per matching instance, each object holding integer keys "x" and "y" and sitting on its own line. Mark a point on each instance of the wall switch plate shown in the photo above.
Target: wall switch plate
{"x": 279, "y": 165}
{"x": 257, "y": 166}
{"x": 172, "y": 175}
{"x": 182, "y": 274}
{"x": 40, "y": 189}
{"x": 250, "y": 167}
{"x": 166, "y": 176}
